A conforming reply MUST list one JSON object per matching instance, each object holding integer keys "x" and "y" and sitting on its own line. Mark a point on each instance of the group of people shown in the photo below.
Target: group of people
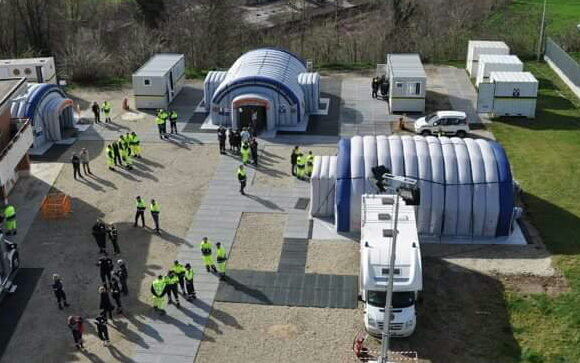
{"x": 180, "y": 277}
{"x": 140, "y": 213}
{"x": 114, "y": 282}
{"x": 121, "y": 152}
{"x": 302, "y": 165}
{"x": 105, "y": 107}
{"x": 161, "y": 120}
{"x": 243, "y": 143}
{"x": 380, "y": 84}
{"x": 77, "y": 160}
{"x": 100, "y": 232}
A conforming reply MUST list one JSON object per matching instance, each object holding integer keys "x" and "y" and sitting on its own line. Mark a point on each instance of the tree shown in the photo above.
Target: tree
{"x": 152, "y": 11}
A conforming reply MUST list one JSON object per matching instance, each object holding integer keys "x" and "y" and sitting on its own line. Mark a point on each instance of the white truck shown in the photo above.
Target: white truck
{"x": 377, "y": 217}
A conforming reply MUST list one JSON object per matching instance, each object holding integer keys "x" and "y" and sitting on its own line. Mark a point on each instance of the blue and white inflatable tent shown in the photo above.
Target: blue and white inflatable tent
{"x": 466, "y": 185}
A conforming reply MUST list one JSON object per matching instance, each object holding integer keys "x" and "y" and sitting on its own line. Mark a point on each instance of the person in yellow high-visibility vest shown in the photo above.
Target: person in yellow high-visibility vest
{"x": 300, "y": 166}
{"x": 245, "y": 153}
{"x": 205, "y": 247}
{"x": 160, "y": 121}
{"x": 158, "y": 288}
{"x": 10, "y": 220}
{"x": 309, "y": 164}
{"x": 221, "y": 257}
{"x": 107, "y": 111}
{"x": 140, "y": 213}
{"x": 110, "y": 157}
{"x": 189, "y": 282}
{"x": 179, "y": 271}
{"x": 136, "y": 145}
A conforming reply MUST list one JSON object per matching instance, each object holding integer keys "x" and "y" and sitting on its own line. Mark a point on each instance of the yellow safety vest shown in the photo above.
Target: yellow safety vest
{"x": 189, "y": 274}
{"x": 141, "y": 205}
{"x": 154, "y": 208}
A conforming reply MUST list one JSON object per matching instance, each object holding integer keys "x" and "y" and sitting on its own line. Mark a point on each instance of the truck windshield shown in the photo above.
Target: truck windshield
{"x": 401, "y": 299}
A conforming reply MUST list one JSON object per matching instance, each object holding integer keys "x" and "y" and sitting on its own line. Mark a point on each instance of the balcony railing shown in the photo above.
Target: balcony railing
{"x": 17, "y": 128}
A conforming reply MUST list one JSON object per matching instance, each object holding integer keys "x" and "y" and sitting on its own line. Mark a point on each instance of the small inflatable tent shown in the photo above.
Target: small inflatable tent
{"x": 49, "y": 110}
{"x": 466, "y": 185}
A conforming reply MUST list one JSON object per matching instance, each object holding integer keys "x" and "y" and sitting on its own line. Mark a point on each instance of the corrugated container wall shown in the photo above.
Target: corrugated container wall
{"x": 210, "y": 84}
{"x": 515, "y": 94}
{"x": 476, "y": 48}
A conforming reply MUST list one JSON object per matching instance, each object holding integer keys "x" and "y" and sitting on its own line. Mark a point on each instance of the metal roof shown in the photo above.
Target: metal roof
{"x": 499, "y": 59}
{"x": 9, "y": 89}
{"x": 26, "y": 61}
{"x": 275, "y": 65}
{"x": 406, "y": 65}
{"x": 519, "y": 77}
{"x": 158, "y": 65}
{"x": 487, "y": 44}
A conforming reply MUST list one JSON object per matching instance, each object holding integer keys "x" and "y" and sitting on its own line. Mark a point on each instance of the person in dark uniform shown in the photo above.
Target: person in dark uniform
{"x": 222, "y": 139}
{"x": 237, "y": 141}
{"x": 113, "y": 235}
{"x": 102, "y": 330}
{"x": 106, "y": 266}
{"x": 96, "y": 111}
{"x": 100, "y": 234}
{"x": 116, "y": 294}
{"x": 123, "y": 275}
{"x": 75, "y": 324}
{"x": 375, "y": 86}
{"x": 76, "y": 163}
{"x": 231, "y": 138}
{"x": 294, "y": 159}
{"x": 58, "y": 291}
{"x": 105, "y": 303}
{"x": 117, "y": 154}
{"x": 254, "y": 150}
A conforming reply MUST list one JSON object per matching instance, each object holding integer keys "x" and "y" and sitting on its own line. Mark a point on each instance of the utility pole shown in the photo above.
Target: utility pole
{"x": 541, "y": 39}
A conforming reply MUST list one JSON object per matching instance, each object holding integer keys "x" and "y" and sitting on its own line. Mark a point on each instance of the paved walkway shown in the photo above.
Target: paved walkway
{"x": 179, "y": 333}
{"x": 461, "y": 93}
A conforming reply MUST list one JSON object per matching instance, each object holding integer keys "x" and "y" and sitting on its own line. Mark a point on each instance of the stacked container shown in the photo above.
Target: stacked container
{"x": 476, "y": 48}
{"x": 497, "y": 63}
{"x": 515, "y": 94}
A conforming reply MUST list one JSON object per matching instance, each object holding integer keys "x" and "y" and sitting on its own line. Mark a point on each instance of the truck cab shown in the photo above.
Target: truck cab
{"x": 376, "y": 238}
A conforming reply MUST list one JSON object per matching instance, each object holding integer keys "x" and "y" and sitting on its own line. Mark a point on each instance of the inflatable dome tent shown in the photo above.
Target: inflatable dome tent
{"x": 49, "y": 110}
{"x": 466, "y": 184}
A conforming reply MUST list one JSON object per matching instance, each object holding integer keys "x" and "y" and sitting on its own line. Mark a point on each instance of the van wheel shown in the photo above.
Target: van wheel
{"x": 425, "y": 133}
{"x": 461, "y": 133}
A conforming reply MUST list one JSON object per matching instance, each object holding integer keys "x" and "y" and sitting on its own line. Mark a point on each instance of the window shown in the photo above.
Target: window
{"x": 401, "y": 299}
{"x": 147, "y": 82}
{"x": 417, "y": 88}
{"x": 399, "y": 85}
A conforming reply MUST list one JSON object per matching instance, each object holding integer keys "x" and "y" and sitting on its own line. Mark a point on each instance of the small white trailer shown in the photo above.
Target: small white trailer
{"x": 509, "y": 94}
{"x": 407, "y": 83}
{"x": 157, "y": 82}
{"x": 477, "y": 48}
{"x": 496, "y": 63}
{"x": 37, "y": 70}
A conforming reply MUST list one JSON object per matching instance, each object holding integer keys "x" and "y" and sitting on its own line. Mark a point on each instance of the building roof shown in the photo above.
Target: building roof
{"x": 26, "y": 61}
{"x": 158, "y": 65}
{"x": 406, "y": 65}
{"x": 9, "y": 89}
{"x": 266, "y": 65}
{"x": 519, "y": 77}
{"x": 499, "y": 59}
{"x": 487, "y": 44}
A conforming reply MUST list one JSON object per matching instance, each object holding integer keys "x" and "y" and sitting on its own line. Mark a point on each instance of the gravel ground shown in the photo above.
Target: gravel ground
{"x": 258, "y": 242}
{"x": 274, "y": 165}
{"x": 257, "y": 333}
{"x": 67, "y": 247}
{"x": 338, "y": 257}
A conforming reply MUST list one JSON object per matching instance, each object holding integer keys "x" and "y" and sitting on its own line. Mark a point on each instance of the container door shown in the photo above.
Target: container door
{"x": 3, "y": 72}
{"x": 485, "y": 96}
{"x": 39, "y": 76}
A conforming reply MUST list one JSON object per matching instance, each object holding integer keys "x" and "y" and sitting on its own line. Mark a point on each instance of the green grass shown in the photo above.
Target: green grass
{"x": 345, "y": 66}
{"x": 196, "y": 73}
{"x": 545, "y": 158}
{"x": 576, "y": 55}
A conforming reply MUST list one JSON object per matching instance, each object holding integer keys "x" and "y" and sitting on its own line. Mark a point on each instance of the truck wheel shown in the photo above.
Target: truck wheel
{"x": 461, "y": 133}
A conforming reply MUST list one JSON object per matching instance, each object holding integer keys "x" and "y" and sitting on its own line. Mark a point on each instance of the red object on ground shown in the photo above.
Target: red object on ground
{"x": 126, "y": 104}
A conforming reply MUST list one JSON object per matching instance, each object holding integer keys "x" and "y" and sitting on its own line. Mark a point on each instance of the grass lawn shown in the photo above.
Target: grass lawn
{"x": 545, "y": 157}
{"x": 576, "y": 55}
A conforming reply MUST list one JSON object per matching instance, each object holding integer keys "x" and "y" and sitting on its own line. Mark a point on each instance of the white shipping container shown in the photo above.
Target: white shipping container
{"x": 476, "y": 48}
{"x": 499, "y": 63}
{"x": 525, "y": 107}
{"x": 514, "y": 84}
{"x": 38, "y": 70}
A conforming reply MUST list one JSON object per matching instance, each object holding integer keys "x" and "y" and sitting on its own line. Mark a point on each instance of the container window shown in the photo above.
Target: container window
{"x": 147, "y": 82}
{"x": 399, "y": 85}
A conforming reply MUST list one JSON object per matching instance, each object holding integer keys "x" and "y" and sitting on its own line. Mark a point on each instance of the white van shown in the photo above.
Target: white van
{"x": 444, "y": 123}
{"x": 377, "y": 218}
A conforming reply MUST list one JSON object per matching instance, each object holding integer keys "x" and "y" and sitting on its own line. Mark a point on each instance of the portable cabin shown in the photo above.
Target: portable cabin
{"x": 509, "y": 94}
{"x": 38, "y": 70}
{"x": 496, "y": 63}
{"x": 407, "y": 83}
{"x": 477, "y": 48}
{"x": 157, "y": 82}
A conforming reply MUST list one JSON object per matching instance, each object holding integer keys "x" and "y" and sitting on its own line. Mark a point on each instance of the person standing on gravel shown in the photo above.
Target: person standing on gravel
{"x": 75, "y": 324}
{"x": 123, "y": 274}
{"x": 102, "y": 330}
{"x": 106, "y": 267}
{"x": 222, "y": 139}
{"x": 105, "y": 303}
{"x": 294, "y": 158}
{"x": 113, "y": 235}
{"x": 158, "y": 290}
{"x": 116, "y": 294}
{"x": 85, "y": 161}
{"x": 107, "y": 111}
{"x": 97, "y": 112}
{"x": 173, "y": 121}
{"x": 140, "y": 213}
{"x": 205, "y": 247}
{"x": 76, "y": 163}
{"x": 117, "y": 154}
{"x": 100, "y": 234}
{"x": 58, "y": 291}
{"x": 154, "y": 208}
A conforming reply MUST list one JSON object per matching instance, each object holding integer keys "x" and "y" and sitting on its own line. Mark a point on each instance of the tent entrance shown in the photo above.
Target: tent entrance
{"x": 254, "y": 116}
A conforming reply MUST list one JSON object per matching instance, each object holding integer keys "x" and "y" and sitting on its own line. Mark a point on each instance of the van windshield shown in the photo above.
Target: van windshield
{"x": 401, "y": 299}
{"x": 431, "y": 117}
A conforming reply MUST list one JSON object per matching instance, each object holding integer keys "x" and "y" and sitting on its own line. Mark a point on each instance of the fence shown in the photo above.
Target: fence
{"x": 567, "y": 66}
